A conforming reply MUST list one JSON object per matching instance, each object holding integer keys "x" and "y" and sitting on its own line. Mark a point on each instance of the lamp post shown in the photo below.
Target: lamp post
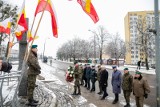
{"x": 94, "y": 44}
{"x": 156, "y": 15}
{"x": 44, "y": 46}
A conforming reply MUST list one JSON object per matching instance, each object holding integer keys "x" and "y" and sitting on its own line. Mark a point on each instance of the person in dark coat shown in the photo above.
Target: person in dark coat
{"x": 139, "y": 65}
{"x": 98, "y": 78}
{"x": 84, "y": 75}
{"x": 127, "y": 86}
{"x": 33, "y": 71}
{"x": 88, "y": 76}
{"x": 93, "y": 77}
{"x": 116, "y": 83}
{"x": 141, "y": 89}
{"x": 104, "y": 82}
{"x": 5, "y": 66}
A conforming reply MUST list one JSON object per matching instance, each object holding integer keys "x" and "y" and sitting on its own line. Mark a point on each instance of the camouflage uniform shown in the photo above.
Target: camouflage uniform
{"x": 77, "y": 79}
{"x": 81, "y": 74}
{"x": 33, "y": 71}
{"x": 127, "y": 86}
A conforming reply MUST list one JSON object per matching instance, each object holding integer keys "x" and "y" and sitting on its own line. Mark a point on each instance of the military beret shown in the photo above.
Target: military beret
{"x": 126, "y": 69}
{"x": 137, "y": 72}
{"x": 34, "y": 46}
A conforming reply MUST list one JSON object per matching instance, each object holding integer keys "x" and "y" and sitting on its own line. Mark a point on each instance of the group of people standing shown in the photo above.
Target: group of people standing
{"x": 126, "y": 82}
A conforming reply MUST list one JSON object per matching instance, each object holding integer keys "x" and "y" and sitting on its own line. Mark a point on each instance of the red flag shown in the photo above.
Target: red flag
{"x": 93, "y": 14}
{"x": 49, "y": 7}
{"x": 5, "y": 26}
{"x": 22, "y": 23}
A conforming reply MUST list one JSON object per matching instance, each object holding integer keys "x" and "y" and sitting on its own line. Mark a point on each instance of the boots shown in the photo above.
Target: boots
{"x": 79, "y": 91}
{"x": 75, "y": 90}
{"x": 127, "y": 105}
{"x": 116, "y": 99}
{"x": 32, "y": 102}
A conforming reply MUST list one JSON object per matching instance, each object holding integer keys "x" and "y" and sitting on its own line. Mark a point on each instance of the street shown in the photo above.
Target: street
{"x": 94, "y": 98}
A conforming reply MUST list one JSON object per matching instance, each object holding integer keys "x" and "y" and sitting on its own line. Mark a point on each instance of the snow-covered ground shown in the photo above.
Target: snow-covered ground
{"x": 51, "y": 85}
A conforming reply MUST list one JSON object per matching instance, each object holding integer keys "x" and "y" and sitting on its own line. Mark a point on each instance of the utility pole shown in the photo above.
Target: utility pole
{"x": 157, "y": 38}
{"x": 94, "y": 48}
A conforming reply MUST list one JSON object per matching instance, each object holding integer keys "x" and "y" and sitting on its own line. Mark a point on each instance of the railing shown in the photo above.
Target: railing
{"x": 8, "y": 76}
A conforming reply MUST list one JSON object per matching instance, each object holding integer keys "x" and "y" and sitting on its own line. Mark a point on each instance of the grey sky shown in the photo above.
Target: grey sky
{"x": 72, "y": 21}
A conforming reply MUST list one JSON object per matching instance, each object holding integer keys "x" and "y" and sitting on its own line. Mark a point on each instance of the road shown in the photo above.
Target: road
{"x": 94, "y": 98}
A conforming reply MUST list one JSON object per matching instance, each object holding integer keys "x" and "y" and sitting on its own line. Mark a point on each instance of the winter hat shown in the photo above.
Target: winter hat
{"x": 137, "y": 72}
{"x": 114, "y": 66}
{"x": 34, "y": 46}
{"x": 126, "y": 69}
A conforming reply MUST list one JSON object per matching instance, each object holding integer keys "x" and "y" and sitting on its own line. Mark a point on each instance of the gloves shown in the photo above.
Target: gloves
{"x": 145, "y": 96}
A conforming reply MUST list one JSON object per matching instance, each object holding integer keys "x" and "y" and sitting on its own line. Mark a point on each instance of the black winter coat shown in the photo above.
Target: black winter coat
{"x": 104, "y": 78}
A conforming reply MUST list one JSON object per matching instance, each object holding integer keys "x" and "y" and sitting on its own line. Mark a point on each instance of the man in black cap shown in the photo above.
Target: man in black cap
{"x": 127, "y": 86}
{"x": 33, "y": 71}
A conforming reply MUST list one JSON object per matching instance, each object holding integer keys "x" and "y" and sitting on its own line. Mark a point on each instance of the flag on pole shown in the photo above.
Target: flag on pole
{"x": 91, "y": 12}
{"x": 49, "y": 8}
{"x": 5, "y": 26}
{"x": 21, "y": 23}
{"x": 30, "y": 37}
{"x": 88, "y": 6}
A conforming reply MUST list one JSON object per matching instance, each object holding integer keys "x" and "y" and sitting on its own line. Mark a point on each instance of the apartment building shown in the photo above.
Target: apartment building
{"x": 137, "y": 37}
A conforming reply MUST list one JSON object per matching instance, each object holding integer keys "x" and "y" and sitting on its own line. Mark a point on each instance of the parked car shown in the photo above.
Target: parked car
{"x": 45, "y": 59}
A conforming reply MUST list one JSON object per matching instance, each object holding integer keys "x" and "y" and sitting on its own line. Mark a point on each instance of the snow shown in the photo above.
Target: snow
{"x": 53, "y": 81}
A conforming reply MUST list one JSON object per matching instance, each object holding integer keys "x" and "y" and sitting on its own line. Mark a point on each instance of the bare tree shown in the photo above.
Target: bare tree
{"x": 6, "y": 11}
{"x": 116, "y": 47}
{"x": 101, "y": 36}
{"x": 76, "y": 49}
{"x": 144, "y": 40}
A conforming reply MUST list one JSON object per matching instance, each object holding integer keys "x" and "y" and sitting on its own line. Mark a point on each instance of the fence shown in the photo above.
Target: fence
{"x": 8, "y": 77}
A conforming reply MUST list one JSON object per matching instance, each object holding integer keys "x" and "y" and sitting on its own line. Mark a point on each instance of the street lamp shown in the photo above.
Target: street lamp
{"x": 156, "y": 15}
{"x": 44, "y": 47}
{"x": 94, "y": 44}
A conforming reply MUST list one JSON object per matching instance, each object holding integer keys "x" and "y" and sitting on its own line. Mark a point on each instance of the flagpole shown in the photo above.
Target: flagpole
{"x": 28, "y": 42}
{"x": 36, "y": 30}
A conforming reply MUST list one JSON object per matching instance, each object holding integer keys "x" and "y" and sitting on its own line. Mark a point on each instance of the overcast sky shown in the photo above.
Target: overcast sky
{"x": 72, "y": 21}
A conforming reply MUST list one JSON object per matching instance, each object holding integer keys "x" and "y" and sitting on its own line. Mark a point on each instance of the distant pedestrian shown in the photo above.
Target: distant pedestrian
{"x": 33, "y": 71}
{"x": 141, "y": 89}
{"x": 93, "y": 77}
{"x": 104, "y": 82}
{"x": 127, "y": 82}
{"x": 98, "y": 78}
{"x": 88, "y": 76}
{"x": 139, "y": 65}
{"x": 50, "y": 61}
{"x": 77, "y": 79}
{"x": 116, "y": 83}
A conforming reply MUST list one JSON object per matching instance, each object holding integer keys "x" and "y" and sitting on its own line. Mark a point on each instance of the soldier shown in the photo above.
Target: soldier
{"x": 81, "y": 74}
{"x": 116, "y": 83}
{"x": 77, "y": 79}
{"x": 141, "y": 89}
{"x": 127, "y": 81}
{"x": 33, "y": 71}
